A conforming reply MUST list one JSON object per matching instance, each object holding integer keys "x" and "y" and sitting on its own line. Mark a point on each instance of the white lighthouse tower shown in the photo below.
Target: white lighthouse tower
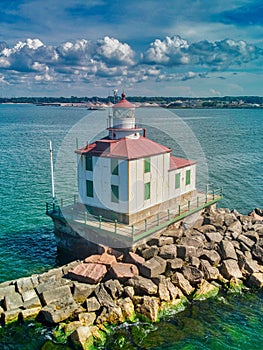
{"x": 128, "y": 177}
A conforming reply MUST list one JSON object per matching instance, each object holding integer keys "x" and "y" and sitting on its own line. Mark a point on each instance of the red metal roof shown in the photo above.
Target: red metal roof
{"x": 125, "y": 148}
{"x": 123, "y": 103}
{"x": 177, "y": 163}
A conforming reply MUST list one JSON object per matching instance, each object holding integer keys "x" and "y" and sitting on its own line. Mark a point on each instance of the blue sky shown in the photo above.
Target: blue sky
{"x": 151, "y": 47}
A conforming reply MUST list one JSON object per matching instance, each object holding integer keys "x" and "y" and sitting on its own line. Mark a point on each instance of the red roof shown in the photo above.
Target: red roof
{"x": 177, "y": 163}
{"x": 125, "y": 148}
{"x": 123, "y": 103}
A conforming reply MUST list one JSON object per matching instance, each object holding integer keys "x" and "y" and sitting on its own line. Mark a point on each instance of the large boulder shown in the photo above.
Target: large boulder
{"x": 104, "y": 259}
{"x": 168, "y": 251}
{"x": 257, "y": 252}
{"x": 180, "y": 281}
{"x": 228, "y": 250}
{"x": 88, "y": 273}
{"x": 123, "y": 271}
{"x": 81, "y": 291}
{"x": 212, "y": 256}
{"x": 229, "y": 268}
{"x": 148, "y": 307}
{"x": 210, "y": 272}
{"x": 143, "y": 285}
{"x": 256, "y": 280}
{"x": 153, "y": 267}
{"x": 205, "y": 290}
{"x": 114, "y": 288}
{"x": 192, "y": 274}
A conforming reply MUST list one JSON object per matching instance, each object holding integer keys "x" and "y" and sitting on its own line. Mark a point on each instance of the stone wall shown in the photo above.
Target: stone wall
{"x": 222, "y": 250}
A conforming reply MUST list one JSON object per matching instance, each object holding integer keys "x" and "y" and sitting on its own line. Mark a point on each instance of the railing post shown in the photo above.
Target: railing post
{"x": 46, "y": 207}
{"x": 158, "y": 219}
{"x": 145, "y": 223}
{"x": 213, "y": 194}
{"x": 61, "y": 202}
{"x": 197, "y": 202}
{"x": 179, "y": 209}
{"x": 100, "y": 220}
{"x": 72, "y": 216}
{"x": 115, "y": 226}
{"x": 189, "y": 205}
{"x": 75, "y": 198}
{"x": 206, "y": 197}
{"x": 85, "y": 217}
{"x": 168, "y": 214}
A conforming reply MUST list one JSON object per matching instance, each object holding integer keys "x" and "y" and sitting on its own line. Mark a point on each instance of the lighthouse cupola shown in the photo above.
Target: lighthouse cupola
{"x": 123, "y": 123}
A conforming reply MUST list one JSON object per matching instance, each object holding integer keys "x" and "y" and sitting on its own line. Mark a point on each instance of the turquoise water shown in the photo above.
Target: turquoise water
{"x": 231, "y": 145}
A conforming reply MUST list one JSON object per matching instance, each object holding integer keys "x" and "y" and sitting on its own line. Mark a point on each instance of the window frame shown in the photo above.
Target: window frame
{"x": 115, "y": 194}
{"x": 147, "y": 165}
{"x": 188, "y": 177}
{"x": 89, "y": 188}
{"x": 147, "y": 191}
{"x": 89, "y": 163}
{"x": 177, "y": 181}
{"x": 114, "y": 166}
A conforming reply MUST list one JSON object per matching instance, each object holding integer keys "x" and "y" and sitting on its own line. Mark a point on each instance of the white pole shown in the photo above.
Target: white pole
{"x": 52, "y": 172}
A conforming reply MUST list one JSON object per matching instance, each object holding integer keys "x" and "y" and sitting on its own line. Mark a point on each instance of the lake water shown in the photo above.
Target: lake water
{"x": 228, "y": 147}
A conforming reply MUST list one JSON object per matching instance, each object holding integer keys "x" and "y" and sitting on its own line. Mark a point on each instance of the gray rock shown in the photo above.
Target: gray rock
{"x": 257, "y": 253}
{"x": 229, "y": 268}
{"x": 174, "y": 264}
{"x": 57, "y": 294}
{"x": 129, "y": 291}
{"x": 196, "y": 242}
{"x": 214, "y": 237}
{"x": 180, "y": 281}
{"x": 81, "y": 291}
{"x": 51, "y": 276}
{"x": 230, "y": 218}
{"x": 168, "y": 251}
{"x": 87, "y": 318}
{"x": 103, "y": 296}
{"x": 150, "y": 252}
{"x": 185, "y": 251}
{"x": 194, "y": 261}
{"x": 248, "y": 266}
{"x": 256, "y": 280}
{"x": 206, "y": 229}
{"x": 80, "y": 337}
{"x": 210, "y": 272}
{"x": 143, "y": 285}
{"x": 32, "y": 312}
{"x": 25, "y": 284}
{"x": 212, "y": 256}
{"x": 192, "y": 274}
{"x": 149, "y": 307}
{"x": 127, "y": 308}
{"x": 12, "y": 301}
{"x": 228, "y": 250}
{"x": 56, "y": 313}
{"x": 30, "y": 299}
{"x": 10, "y": 316}
{"x": 246, "y": 240}
{"x": 114, "y": 288}
{"x": 92, "y": 304}
{"x": 235, "y": 227}
{"x": 47, "y": 286}
{"x": 165, "y": 241}
{"x": 153, "y": 267}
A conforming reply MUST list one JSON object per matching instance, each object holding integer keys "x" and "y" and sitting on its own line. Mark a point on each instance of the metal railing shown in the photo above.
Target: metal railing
{"x": 74, "y": 212}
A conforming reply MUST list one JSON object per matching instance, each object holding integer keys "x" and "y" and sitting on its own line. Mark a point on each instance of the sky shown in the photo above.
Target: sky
{"x": 194, "y": 48}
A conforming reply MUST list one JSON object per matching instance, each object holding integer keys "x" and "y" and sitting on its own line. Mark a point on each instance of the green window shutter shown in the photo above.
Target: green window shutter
{"x": 188, "y": 177}
{"x": 89, "y": 163}
{"x": 114, "y": 166}
{"x": 147, "y": 191}
{"x": 177, "y": 180}
{"x": 147, "y": 165}
{"x": 115, "y": 194}
{"x": 89, "y": 188}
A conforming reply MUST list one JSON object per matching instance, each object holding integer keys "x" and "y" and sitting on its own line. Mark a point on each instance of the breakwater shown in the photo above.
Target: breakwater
{"x": 222, "y": 250}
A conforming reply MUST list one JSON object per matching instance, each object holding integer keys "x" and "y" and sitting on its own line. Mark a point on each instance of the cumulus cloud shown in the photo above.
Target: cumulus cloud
{"x": 113, "y": 62}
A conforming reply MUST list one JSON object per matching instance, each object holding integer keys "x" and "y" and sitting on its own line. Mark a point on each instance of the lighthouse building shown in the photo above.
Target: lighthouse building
{"x": 128, "y": 177}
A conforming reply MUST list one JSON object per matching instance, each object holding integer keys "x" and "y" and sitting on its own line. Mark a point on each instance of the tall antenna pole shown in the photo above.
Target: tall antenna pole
{"x": 52, "y": 174}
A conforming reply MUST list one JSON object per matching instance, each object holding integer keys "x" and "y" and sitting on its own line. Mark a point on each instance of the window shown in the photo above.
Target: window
{"x": 147, "y": 191}
{"x": 114, "y": 166}
{"x": 177, "y": 180}
{"x": 89, "y": 188}
{"x": 147, "y": 165}
{"x": 188, "y": 177}
{"x": 89, "y": 163}
{"x": 115, "y": 194}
